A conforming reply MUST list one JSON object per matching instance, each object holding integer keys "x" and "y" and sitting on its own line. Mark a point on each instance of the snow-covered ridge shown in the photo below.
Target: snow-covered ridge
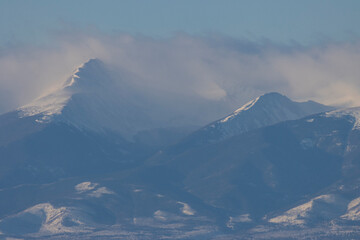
{"x": 186, "y": 209}
{"x": 51, "y": 104}
{"x": 272, "y": 107}
{"x": 47, "y": 106}
{"x": 243, "y": 218}
{"x": 265, "y": 110}
{"x": 245, "y": 107}
{"x": 92, "y": 189}
{"x": 324, "y": 206}
{"x": 327, "y": 206}
{"x": 46, "y": 219}
{"x": 353, "y": 210}
{"x": 353, "y": 112}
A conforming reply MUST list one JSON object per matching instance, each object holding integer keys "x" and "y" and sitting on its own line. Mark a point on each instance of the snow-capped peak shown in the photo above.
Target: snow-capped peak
{"x": 262, "y": 111}
{"x": 274, "y": 106}
{"x": 52, "y": 104}
{"x": 87, "y": 75}
{"x": 96, "y": 98}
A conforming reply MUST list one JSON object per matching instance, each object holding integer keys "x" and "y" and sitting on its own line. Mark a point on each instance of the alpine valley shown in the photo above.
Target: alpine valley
{"x": 96, "y": 159}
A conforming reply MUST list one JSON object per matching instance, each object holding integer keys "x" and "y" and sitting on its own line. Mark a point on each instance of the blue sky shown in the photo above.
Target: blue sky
{"x": 283, "y": 21}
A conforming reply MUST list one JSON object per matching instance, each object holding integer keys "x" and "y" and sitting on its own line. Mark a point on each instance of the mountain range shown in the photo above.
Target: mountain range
{"x": 95, "y": 159}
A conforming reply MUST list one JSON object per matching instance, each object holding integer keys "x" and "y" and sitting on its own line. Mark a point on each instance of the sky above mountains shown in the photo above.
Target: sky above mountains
{"x": 214, "y": 51}
{"x": 305, "y": 22}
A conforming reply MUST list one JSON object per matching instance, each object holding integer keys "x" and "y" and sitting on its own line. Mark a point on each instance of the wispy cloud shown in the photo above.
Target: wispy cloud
{"x": 216, "y": 72}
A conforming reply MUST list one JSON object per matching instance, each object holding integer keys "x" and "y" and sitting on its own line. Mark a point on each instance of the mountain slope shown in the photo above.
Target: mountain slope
{"x": 92, "y": 98}
{"x": 289, "y": 179}
{"x": 86, "y": 162}
{"x": 258, "y": 180}
{"x": 265, "y": 169}
{"x": 263, "y": 111}
{"x": 99, "y": 98}
{"x": 79, "y": 129}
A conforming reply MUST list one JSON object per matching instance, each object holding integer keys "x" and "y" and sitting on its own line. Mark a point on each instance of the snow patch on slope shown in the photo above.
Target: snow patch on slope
{"x": 92, "y": 189}
{"x": 85, "y": 186}
{"x": 324, "y": 206}
{"x": 244, "y": 218}
{"x": 55, "y": 217}
{"x": 46, "y": 106}
{"x": 353, "y": 210}
{"x": 100, "y": 191}
{"x": 45, "y": 219}
{"x": 160, "y": 215}
{"x": 245, "y": 107}
{"x": 186, "y": 209}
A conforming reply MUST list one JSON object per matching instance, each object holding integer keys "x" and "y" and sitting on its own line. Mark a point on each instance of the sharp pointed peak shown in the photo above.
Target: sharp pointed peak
{"x": 86, "y": 76}
{"x": 273, "y": 101}
{"x": 92, "y": 67}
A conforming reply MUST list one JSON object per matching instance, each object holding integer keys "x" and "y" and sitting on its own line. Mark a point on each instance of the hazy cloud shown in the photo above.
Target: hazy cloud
{"x": 220, "y": 71}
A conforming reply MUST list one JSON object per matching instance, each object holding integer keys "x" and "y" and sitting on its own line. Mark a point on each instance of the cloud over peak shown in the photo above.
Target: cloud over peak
{"x": 221, "y": 72}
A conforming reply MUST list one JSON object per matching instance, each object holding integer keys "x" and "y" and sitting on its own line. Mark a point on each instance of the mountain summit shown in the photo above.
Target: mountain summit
{"x": 265, "y": 110}
{"x": 100, "y": 98}
{"x": 95, "y": 99}
{"x": 53, "y": 103}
